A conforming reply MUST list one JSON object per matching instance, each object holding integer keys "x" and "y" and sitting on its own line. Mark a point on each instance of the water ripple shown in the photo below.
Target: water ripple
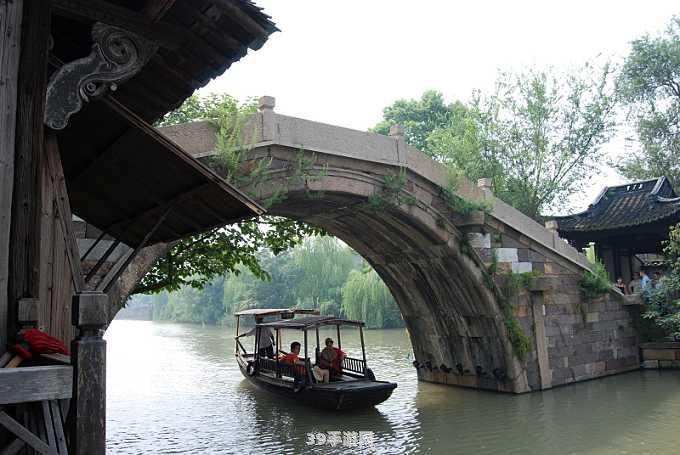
{"x": 176, "y": 389}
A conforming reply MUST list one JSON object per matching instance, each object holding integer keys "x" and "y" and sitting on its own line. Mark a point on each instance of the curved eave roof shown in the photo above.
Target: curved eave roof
{"x": 626, "y": 206}
{"x": 198, "y": 41}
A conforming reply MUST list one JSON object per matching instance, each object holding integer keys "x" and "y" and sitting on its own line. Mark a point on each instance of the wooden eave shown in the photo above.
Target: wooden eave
{"x": 197, "y": 40}
{"x": 122, "y": 175}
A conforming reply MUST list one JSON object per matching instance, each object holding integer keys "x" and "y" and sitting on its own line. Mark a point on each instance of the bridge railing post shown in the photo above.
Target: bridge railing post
{"x": 486, "y": 185}
{"x": 266, "y": 106}
{"x": 87, "y": 417}
{"x": 397, "y": 132}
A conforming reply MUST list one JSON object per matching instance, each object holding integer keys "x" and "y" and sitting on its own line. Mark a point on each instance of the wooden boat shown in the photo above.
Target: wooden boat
{"x": 353, "y": 386}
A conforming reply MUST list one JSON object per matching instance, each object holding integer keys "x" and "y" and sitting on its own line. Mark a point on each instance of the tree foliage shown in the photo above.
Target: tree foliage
{"x": 650, "y": 84}
{"x": 196, "y": 261}
{"x": 418, "y": 117}
{"x": 331, "y": 263}
{"x": 537, "y": 135}
{"x": 314, "y": 274}
{"x": 365, "y": 297}
{"x": 663, "y": 298}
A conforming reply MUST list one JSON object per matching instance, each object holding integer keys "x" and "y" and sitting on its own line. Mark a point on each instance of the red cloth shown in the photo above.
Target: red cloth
{"x": 22, "y": 351}
{"x": 289, "y": 358}
{"x": 336, "y": 364}
{"x": 292, "y": 358}
{"x": 42, "y": 343}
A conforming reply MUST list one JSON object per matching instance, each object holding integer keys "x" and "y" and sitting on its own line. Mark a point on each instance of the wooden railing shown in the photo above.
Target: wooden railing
{"x": 353, "y": 365}
{"x": 284, "y": 368}
{"x": 239, "y": 345}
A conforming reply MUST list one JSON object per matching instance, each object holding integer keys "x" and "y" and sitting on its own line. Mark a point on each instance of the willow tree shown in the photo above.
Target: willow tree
{"x": 365, "y": 297}
{"x": 324, "y": 264}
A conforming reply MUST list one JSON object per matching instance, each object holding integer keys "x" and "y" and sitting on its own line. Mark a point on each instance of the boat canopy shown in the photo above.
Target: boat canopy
{"x": 310, "y": 322}
{"x": 273, "y": 311}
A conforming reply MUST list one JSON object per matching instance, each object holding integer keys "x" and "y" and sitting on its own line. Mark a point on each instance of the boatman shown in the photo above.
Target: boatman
{"x": 265, "y": 340}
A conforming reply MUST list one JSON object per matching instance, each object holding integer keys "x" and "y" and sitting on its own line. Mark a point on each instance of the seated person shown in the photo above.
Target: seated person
{"x": 321, "y": 374}
{"x": 331, "y": 359}
{"x": 292, "y": 358}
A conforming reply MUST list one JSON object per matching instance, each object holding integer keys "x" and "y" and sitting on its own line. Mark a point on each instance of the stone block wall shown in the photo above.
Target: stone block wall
{"x": 573, "y": 338}
{"x": 661, "y": 355}
{"x": 587, "y": 338}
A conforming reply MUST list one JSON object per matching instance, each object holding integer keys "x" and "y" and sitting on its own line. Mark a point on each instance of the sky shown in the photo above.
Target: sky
{"x": 342, "y": 61}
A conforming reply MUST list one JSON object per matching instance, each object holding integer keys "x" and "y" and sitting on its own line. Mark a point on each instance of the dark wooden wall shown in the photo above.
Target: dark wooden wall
{"x": 10, "y": 31}
{"x": 56, "y": 284}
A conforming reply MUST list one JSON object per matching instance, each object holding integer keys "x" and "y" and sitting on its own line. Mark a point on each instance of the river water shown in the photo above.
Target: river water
{"x": 176, "y": 388}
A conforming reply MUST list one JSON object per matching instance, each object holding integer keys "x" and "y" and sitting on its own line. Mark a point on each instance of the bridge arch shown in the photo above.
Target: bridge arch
{"x": 409, "y": 236}
{"x": 392, "y": 204}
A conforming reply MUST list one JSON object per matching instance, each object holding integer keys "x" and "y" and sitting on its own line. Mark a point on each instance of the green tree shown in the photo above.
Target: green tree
{"x": 663, "y": 300}
{"x": 197, "y": 260}
{"x": 365, "y": 297}
{"x": 650, "y": 84}
{"x": 538, "y": 135}
{"x": 418, "y": 117}
{"x": 193, "y": 305}
{"x": 324, "y": 264}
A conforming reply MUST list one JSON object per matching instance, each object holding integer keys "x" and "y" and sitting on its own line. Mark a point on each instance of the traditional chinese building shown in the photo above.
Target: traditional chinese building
{"x": 627, "y": 223}
{"x": 81, "y": 82}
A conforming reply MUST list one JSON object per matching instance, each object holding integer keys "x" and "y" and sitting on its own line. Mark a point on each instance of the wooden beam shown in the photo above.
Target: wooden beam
{"x": 93, "y": 271}
{"x": 20, "y": 385}
{"x": 154, "y": 10}
{"x": 113, "y": 274}
{"x": 58, "y": 424}
{"x": 25, "y": 224}
{"x": 15, "y": 447}
{"x": 162, "y": 33}
{"x": 75, "y": 177}
{"x": 24, "y": 434}
{"x": 159, "y": 207}
{"x": 10, "y": 47}
{"x": 247, "y": 23}
{"x": 64, "y": 210}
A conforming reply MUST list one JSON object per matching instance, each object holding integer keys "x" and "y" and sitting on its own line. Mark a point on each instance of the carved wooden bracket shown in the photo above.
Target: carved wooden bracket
{"x": 116, "y": 56}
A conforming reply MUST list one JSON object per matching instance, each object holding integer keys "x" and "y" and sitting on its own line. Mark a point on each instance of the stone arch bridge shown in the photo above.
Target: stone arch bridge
{"x": 429, "y": 240}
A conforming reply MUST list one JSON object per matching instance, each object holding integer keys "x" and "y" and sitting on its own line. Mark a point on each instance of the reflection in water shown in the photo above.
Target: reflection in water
{"x": 175, "y": 388}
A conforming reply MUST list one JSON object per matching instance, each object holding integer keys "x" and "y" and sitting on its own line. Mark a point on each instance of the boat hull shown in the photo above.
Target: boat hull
{"x": 336, "y": 396}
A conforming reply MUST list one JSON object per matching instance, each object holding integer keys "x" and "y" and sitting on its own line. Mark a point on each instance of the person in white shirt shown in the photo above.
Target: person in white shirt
{"x": 265, "y": 341}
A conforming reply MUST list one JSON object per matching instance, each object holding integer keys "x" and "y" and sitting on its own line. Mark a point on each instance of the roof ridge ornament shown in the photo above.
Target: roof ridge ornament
{"x": 116, "y": 56}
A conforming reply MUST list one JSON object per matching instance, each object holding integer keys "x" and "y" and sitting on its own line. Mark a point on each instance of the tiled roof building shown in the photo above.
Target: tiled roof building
{"x": 624, "y": 221}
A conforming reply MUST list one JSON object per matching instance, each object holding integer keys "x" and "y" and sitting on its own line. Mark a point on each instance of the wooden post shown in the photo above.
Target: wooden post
{"x": 88, "y": 356}
{"x": 238, "y": 320}
{"x": 278, "y": 368}
{"x": 10, "y": 30}
{"x": 363, "y": 348}
{"x": 318, "y": 346}
{"x": 24, "y": 246}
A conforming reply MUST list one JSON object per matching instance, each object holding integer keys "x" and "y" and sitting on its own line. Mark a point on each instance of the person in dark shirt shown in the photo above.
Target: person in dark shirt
{"x": 621, "y": 286}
